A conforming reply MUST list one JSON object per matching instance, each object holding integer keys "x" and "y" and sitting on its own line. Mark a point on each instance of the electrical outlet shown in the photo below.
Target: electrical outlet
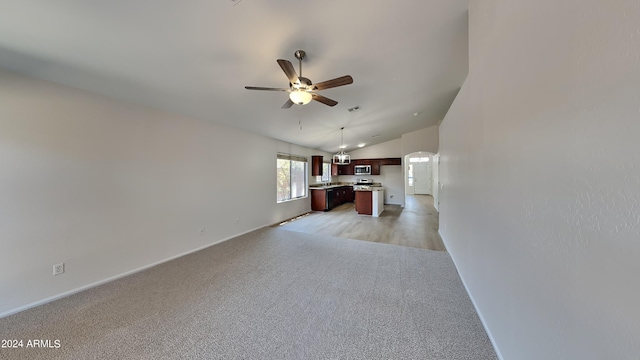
{"x": 202, "y": 230}
{"x": 58, "y": 269}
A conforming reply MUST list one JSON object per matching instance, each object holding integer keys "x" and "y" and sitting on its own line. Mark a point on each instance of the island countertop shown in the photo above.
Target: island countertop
{"x": 371, "y": 188}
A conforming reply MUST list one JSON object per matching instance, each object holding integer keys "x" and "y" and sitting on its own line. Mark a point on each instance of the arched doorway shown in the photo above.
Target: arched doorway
{"x": 418, "y": 173}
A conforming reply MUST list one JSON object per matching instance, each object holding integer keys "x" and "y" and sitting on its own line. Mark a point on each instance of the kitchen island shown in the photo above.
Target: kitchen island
{"x": 370, "y": 201}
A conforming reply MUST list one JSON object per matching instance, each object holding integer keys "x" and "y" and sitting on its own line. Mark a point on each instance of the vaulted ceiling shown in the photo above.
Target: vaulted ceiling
{"x": 408, "y": 59}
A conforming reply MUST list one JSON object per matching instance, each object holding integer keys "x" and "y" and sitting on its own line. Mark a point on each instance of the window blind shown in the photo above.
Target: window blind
{"x": 292, "y": 157}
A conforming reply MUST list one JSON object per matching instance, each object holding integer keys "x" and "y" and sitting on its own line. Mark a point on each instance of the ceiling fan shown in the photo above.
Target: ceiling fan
{"x": 301, "y": 90}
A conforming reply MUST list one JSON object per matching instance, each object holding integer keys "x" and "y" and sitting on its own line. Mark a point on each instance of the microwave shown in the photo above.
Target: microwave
{"x": 362, "y": 170}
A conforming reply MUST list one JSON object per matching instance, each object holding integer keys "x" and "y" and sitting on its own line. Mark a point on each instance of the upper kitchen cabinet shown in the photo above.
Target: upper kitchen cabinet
{"x": 375, "y": 165}
{"x": 334, "y": 170}
{"x": 316, "y": 165}
{"x": 342, "y": 169}
{"x": 391, "y": 161}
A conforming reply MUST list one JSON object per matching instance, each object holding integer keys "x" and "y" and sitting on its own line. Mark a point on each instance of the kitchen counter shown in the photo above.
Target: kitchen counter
{"x": 328, "y": 186}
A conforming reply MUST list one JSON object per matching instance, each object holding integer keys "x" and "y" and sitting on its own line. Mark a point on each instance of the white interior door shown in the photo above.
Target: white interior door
{"x": 422, "y": 178}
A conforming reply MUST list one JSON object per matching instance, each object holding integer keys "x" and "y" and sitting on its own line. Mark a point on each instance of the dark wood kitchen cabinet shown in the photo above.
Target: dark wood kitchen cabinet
{"x": 349, "y": 197}
{"x": 348, "y": 169}
{"x": 341, "y": 169}
{"x": 318, "y": 199}
{"x": 377, "y": 163}
{"x": 375, "y": 167}
{"x": 391, "y": 161}
{"x": 316, "y": 165}
{"x": 343, "y": 194}
{"x": 364, "y": 202}
{"x": 338, "y": 196}
{"x": 327, "y": 199}
{"x": 334, "y": 170}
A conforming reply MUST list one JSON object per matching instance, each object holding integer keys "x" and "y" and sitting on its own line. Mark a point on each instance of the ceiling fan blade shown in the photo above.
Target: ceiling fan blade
{"x": 288, "y": 69}
{"x": 264, "y": 88}
{"x": 288, "y": 104}
{"x": 343, "y": 80}
{"x": 324, "y": 100}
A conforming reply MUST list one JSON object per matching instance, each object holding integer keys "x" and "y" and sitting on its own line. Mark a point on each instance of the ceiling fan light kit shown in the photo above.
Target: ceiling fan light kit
{"x": 301, "y": 90}
{"x": 341, "y": 158}
{"x": 300, "y": 97}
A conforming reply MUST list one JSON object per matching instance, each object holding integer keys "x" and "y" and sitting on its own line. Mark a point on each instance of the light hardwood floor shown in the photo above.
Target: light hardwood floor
{"x": 415, "y": 225}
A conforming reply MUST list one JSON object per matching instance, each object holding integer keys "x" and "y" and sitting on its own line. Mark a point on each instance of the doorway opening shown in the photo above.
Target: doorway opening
{"x": 421, "y": 175}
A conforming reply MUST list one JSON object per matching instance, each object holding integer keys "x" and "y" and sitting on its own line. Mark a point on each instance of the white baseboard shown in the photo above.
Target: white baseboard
{"x": 473, "y": 301}
{"x": 112, "y": 278}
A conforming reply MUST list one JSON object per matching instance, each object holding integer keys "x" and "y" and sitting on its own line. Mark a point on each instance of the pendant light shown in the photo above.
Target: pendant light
{"x": 341, "y": 158}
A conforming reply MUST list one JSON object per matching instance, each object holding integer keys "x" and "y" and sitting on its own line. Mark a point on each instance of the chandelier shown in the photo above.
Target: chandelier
{"x": 341, "y": 158}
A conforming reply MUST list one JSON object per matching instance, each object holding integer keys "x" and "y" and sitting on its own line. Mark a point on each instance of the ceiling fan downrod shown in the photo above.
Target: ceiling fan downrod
{"x": 299, "y": 54}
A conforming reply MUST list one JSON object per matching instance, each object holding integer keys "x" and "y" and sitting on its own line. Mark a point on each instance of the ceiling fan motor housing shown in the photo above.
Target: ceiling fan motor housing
{"x": 302, "y": 84}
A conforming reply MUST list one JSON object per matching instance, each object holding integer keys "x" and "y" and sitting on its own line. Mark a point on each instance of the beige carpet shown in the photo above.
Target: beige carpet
{"x": 270, "y": 294}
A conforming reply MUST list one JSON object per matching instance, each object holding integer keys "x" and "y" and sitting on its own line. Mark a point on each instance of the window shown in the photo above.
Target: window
{"x": 410, "y": 174}
{"x": 326, "y": 172}
{"x": 419, "y": 159}
{"x": 291, "y": 177}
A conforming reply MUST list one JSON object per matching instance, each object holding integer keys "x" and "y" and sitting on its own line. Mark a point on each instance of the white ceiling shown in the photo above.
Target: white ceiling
{"x": 194, "y": 57}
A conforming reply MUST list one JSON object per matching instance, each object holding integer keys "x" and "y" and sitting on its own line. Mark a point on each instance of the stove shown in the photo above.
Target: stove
{"x": 364, "y": 184}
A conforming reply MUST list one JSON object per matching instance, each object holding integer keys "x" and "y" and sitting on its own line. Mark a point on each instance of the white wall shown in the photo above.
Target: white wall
{"x": 435, "y": 167}
{"x": 425, "y": 140}
{"x": 392, "y": 148}
{"x": 108, "y": 187}
{"x": 539, "y": 163}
